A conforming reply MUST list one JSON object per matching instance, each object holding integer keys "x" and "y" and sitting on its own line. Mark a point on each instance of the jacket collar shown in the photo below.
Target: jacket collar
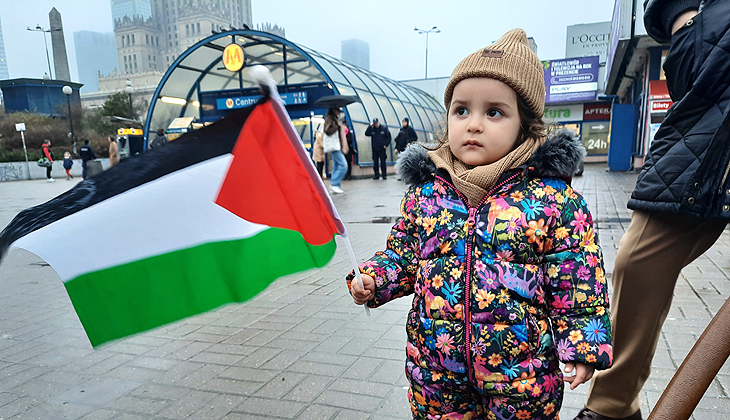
{"x": 558, "y": 157}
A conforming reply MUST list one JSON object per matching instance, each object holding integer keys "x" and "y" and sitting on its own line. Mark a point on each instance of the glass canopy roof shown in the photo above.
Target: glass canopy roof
{"x": 197, "y": 78}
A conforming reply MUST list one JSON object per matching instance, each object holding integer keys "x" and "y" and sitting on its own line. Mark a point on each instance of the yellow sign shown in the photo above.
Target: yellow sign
{"x": 233, "y": 57}
{"x": 128, "y": 131}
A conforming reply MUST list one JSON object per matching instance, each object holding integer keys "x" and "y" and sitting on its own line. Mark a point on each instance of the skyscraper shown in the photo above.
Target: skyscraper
{"x": 130, "y": 8}
{"x": 96, "y": 53}
{"x": 3, "y": 64}
{"x": 356, "y": 52}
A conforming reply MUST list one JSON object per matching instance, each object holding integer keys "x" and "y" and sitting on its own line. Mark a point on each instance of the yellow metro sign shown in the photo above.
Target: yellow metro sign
{"x": 233, "y": 57}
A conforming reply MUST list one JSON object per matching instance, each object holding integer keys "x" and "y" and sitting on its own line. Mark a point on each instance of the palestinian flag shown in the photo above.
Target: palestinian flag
{"x": 213, "y": 217}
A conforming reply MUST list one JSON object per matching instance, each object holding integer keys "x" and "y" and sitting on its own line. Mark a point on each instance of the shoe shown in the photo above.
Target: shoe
{"x": 376, "y": 177}
{"x": 51, "y": 180}
{"x": 385, "y": 177}
{"x": 587, "y": 414}
{"x": 68, "y": 178}
{"x": 336, "y": 190}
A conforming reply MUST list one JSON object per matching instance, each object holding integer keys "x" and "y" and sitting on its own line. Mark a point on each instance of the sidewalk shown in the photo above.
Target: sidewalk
{"x": 300, "y": 349}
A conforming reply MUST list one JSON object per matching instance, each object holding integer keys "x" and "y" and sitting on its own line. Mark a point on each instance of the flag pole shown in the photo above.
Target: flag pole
{"x": 355, "y": 267}
{"x": 268, "y": 87}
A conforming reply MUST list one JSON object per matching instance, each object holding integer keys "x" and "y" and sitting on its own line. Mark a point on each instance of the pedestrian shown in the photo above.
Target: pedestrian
{"x": 681, "y": 201}
{"x": 406, "y": 136}
{"x": 351, "y": 152}
{"x": 113, "y": 151}
{"x": 159, "y": 140}
{"x": 380, "y": 140}
{"x": 318, "y": 155}
{"x": 87, "y": 154}
{"x": 67, "y": 164}
{"x": 46, "y": 150}
{"x": 333, "y": 129}
{"x": 498, "y": 251}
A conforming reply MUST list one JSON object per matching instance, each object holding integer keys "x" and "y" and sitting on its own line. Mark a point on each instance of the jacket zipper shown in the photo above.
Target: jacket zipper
{"x": 724, "y": 177}
{"x": 471, "y": 222}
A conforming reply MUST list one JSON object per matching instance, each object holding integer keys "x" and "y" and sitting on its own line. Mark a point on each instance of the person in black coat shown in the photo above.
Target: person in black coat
{"x": 380, "y": 140}
{"x": 406, "y": 136}
{"x": 681, "y": 201}
{"x": 87, "y": 154}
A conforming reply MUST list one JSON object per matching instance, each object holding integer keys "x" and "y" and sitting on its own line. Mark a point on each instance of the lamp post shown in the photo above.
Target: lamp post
{"x": 129, "y": 90}
{"x": 423, "y": 31}
{"x": 38, "y": 28}
{"x": 68, "y": 91}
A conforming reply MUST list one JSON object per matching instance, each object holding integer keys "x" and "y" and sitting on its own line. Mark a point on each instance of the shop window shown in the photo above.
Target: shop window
{"x": 594, "y": 136}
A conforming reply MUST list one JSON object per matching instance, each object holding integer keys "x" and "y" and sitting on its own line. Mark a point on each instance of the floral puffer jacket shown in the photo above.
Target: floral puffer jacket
{"x": 496, "y": 285}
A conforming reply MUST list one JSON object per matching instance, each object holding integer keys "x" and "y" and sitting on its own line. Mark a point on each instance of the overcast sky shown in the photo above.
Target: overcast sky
{"x": 396, "y": 50}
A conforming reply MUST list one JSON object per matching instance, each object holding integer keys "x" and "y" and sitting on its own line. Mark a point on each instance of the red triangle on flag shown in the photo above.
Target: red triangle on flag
{"x": 268, "y": 183}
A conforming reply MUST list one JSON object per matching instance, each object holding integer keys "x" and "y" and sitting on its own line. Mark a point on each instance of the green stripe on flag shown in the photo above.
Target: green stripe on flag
{"x": 134, "y": 297}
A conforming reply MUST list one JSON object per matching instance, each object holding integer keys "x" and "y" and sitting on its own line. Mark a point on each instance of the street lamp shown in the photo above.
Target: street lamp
{"x": 38, "y": 28}
{"x": 129, "y": 90}
{"x": 68, "y": 91}
{"x": 423, "y": 31}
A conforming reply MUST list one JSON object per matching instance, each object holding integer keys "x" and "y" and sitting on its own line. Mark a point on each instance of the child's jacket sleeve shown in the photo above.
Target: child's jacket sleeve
{"x": 578, "y": 298}
{"x": 394, "y": 269}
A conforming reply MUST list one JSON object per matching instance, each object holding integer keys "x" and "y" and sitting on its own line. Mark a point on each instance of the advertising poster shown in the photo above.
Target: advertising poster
{"x": 571, "y": 79}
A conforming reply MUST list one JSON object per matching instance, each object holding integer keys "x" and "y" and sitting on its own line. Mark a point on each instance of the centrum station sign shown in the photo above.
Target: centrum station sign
{"x": 233, "y": 57}
{"x": 571, "y": 79}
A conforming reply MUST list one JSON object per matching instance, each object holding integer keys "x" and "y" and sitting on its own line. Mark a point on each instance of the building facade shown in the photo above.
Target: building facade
{"x": 130, "y": 8}
{"x": 96, "y": 54}
{"x": 356, "y": 52}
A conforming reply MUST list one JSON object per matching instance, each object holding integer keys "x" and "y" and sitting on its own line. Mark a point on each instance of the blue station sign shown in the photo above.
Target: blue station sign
{"x": 290, "y": 98}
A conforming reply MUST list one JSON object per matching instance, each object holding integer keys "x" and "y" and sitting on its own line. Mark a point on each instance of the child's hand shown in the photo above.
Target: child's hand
{"x": 583, "y": 373}
{"x": 360, "y": 295}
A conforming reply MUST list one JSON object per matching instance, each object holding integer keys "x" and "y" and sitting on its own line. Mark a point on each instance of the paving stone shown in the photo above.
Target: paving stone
{"x": 309, "y": 388}
{"x": 183, "y": 407}
{"x": 266, "y": 407}
{"x": 218, "y": 407}
{"x": 349, "y": 400}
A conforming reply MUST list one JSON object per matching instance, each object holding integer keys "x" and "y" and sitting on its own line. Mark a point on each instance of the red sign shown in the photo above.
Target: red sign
{"x": 661, "y": 106}
{"x": 658, "y": 89}
{"x": 593, "y": 112}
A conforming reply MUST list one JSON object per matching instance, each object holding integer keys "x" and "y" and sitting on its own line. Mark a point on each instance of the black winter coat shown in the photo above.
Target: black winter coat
{"x": 686, "y": 170}
{"x": 405, "y": 136}
{"x": 380, "y": 136}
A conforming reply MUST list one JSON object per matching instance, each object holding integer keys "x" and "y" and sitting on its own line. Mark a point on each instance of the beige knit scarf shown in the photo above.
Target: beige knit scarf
{"x": 476, "y": 181}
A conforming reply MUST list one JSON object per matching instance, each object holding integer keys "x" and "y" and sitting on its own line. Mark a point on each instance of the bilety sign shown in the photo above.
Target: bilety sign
{"x": 571, "y": 79}
{"x": 291, "y": 98}
{"x": 233, "y": 57}
{"x": 661, "y": 105}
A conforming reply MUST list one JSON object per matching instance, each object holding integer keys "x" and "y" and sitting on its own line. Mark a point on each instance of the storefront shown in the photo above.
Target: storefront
{"x": 635, "y": 78}
{"x": 590, "y": 121}
{"x": 210, "y": 80}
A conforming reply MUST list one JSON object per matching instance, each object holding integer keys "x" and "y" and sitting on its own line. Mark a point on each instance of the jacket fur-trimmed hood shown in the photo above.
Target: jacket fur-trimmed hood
{"x": 559, "y": 157}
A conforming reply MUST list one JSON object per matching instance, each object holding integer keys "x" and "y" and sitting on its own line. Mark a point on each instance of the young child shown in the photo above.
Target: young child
{"x": 498, "y": 251}
{"x": 67, "y": 164}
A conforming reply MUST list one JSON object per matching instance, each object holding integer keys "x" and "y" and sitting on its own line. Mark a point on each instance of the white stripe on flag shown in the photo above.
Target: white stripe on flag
{"x": 171, "y": 213}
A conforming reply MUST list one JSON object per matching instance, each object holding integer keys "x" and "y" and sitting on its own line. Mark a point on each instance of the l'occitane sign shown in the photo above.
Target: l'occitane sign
{"x": 233, "y": 57}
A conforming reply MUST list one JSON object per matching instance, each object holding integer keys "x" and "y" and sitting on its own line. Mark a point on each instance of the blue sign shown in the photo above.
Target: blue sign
{"x": 291, "y": 98}
{"x": 571, "y": 79}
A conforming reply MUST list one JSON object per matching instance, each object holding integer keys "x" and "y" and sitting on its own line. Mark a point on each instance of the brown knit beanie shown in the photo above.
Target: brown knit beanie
{"x": 510, "y": 61}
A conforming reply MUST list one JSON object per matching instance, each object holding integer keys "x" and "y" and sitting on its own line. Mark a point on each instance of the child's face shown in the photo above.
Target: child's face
{"x": 483, "y": 121}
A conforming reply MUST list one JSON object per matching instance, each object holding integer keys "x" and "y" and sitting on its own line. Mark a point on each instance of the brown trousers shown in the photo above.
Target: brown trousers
{"x": 650, "y": 257}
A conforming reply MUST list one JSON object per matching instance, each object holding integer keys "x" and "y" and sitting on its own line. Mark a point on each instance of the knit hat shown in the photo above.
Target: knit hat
{"x": 510, "y": 61}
